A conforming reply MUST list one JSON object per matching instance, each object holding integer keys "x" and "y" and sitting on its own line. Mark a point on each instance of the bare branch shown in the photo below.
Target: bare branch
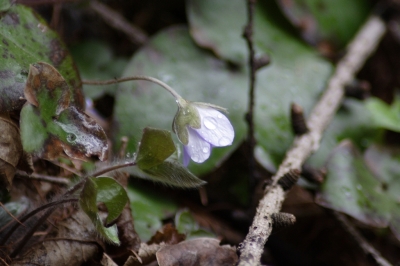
{"x": 115, "y": 20}
{"x": 358, "y": 51}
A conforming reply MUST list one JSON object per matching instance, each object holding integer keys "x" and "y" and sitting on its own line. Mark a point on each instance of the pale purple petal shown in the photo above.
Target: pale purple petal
{"x": 186, "y": 156}
{"x": 215, "y": 127}
{"x": 198, "y": 149}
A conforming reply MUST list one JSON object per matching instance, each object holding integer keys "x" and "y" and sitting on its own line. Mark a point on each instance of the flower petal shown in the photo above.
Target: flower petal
{"x": 215, "y": 127}
{"x": 186, "y": 156}
{"x": 198, "y": 149}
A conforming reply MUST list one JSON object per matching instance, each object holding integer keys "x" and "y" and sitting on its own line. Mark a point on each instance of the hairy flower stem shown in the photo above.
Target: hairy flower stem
{"x": 52, "y": 206}
{"x": 124, "y": 79}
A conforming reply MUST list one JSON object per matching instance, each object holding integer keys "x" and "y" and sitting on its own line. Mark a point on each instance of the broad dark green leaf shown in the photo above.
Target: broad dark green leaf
{"x": 321, "y": 21}
{"x": 384, "y": 162}
{"x": 155, "y": 147}
{"x": 350, "y": 187}
{"x": 297, "y": 74}
{"x": 25, "y": 38}
{"x": 112, "y": 194}
{"x": 148, "y": 211}
{"x": 88, "y": 203}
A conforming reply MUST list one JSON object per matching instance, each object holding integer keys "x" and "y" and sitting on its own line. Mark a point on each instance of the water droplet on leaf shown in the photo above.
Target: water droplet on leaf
{"x": 71, "y": 137}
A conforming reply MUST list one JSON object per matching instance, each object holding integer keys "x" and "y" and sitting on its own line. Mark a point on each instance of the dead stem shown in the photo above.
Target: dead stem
{"x": 358, "y": 51}
{"x": 117, "y": 21}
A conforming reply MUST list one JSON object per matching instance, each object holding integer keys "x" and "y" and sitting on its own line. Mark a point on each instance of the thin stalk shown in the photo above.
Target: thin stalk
{"x": 124, "y": 79}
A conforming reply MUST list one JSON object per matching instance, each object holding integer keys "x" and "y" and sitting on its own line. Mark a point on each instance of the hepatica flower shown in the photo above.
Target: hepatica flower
{"x": 200, "y": 127}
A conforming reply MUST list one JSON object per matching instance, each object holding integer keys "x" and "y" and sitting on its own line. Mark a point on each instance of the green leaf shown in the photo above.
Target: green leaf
{"x": 113, "y": 195}
{"x": 352, "y": 121}
{"x": 59, "y": 128}
{"x": 350, "y": 187}
{"x": 148, "y": 211}
{"x": 96, "y": 61}
{"x": 4, "y": 5}
{"x": 384, "y": 162}
{"x": 296, "y": 74}
{"x": 25, "y": 38}
{"x": 186, "y": 224}
{"x": 320, "y": 21}
{"x": 174, "y": 174}
{"x": 384, "y": 115}
{"x": 155, "y": 147}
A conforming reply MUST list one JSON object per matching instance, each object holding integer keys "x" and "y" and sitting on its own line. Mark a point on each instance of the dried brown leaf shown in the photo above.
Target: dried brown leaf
{"x": 10, "y": 150}
{"x": 43, "y": 76}
{"x": 167, "y": 234}
{"x": 74, "y": 244}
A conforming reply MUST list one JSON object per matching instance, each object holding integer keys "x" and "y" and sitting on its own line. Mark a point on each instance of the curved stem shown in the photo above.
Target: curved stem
{"x": 113, "y": 81}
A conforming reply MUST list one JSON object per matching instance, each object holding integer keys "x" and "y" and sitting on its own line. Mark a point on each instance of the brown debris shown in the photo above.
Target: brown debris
{"x": 199, "y": 251}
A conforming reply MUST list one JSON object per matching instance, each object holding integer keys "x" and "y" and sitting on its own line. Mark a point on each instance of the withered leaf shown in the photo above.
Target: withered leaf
{"x": 199, "y": 251}
{"x": 74, "y": 244}
{"x": 167, "y": 234}
{"x": 60, "y": 128}
{"x": 11, "y": 154}
{"x": 45, "y": 85}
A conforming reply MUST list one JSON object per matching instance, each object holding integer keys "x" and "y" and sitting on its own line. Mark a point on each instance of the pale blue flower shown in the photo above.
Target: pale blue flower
{"x": 209, "y": 128}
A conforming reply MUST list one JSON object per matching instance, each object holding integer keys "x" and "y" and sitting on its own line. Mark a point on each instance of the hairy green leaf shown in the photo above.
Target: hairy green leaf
{"x": 174, "y": 174}
{"x": 88, "y": 203}
{"x": 112, "y": 194}
{"x": 155, "y": 147}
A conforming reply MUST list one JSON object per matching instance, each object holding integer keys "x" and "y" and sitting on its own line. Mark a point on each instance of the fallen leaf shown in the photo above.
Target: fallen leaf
{"x": 74, "y": 244}
{"x": 11, "y": 154}
{"x": 59, "y": 126}
{"x": 199, "y": 251}
{"x": 167, "y": 234}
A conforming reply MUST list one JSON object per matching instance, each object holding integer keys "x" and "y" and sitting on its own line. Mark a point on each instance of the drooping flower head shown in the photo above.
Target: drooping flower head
{"x": 201, "y": 126}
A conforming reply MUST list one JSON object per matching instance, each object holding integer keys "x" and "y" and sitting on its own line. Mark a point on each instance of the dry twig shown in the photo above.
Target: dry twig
{"x": 115, "y": 20}
{"x": 358, "y": 51}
